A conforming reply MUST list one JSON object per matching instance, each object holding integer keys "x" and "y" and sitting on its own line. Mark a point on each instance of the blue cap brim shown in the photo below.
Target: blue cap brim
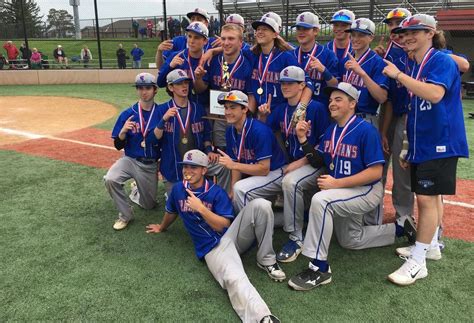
{"x": 304, "y": 25}
{"x": 349, "y": 22}
{"x": 289, "y": 79}
{"x": 363, "y": 31}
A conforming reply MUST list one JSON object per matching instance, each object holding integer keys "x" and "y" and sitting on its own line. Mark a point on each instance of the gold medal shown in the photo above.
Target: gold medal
{"x": 259, "y": 91}
{"x": 287, "y": 143}
{"x": 143, "y": 144}
{"x": 331, "y": 166}
{"x": 184, "y": 140}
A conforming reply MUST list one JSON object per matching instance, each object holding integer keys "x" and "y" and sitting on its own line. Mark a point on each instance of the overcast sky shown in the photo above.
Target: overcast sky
{"x": 126, "y": 8}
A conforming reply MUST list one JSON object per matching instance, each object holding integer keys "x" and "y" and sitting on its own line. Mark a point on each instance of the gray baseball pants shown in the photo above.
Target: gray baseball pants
{"x": 254, "y": 222}
{"x": 343, "y": 210}
{"x": 144, "y": 175}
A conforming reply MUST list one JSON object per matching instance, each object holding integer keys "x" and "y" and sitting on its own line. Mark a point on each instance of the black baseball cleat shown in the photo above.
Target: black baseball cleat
{"x": 270, "y": 319}
{"x": 274, "y": 271}
{"x": 309, "y": 279}
{"x": 410, "y": 229}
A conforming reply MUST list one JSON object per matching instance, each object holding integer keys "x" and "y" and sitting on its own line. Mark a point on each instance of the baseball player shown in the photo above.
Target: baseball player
{"x": 436, "y": 136}
{"x": 341, "y": 44}
{"x": 229, "y": 70}
{"x": 393, "y": 118}
{"x": 133, "y": 133}
{"x": 182, "y": 126}
{"x": 318, "y": 61}
{"x": 238, "y": 20}
{"x": 364, "y": 70}
{"x": 352, "y": 152}
{"x": 206, "y": 211}
{"x": 299, "y": 177}
{"x": 179, "y": 43}
{"x": 188, "y": 60}
{"x": 253, "y": 154}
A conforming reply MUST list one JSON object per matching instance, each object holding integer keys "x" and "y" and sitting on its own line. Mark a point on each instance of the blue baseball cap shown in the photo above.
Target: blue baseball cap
{"x": 344, "y": 16}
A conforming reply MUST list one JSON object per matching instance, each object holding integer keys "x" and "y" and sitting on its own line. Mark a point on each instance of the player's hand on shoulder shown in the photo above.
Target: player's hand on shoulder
{"x": 213, "y": 158}
{"x": 217, "y": 42}
{"x": 171, "y": 112}
{"x": 153, "y": 228}
{"x": 165, "y": 45}
{"x": 327, "y": 182}
{"x": 206, "y": 58}
{"x": 177, "y": 60}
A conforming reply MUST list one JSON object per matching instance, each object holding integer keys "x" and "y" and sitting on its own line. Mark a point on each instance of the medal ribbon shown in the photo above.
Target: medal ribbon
{"x": 234, "y": 69}
{"x": 287, "y": 124}
{"x": 242, "y": 141}
{"x": 206, "y": 187}
{"x": 346, "y": 50}
{"x": 144, "y": 125}
{"x": 184, "y": 127}
{"x": 265, "y": 70}
{"x": 333, "y": 149}
{"x": 188, "y": 59}
{"x": 426, "y": 57}
{"x": 300, "y": 52}
{"x": 360, "y": 61}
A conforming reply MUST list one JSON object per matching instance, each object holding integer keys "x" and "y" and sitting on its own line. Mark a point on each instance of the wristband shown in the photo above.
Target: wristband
{"x": 327, "y": 75}
{"x": 396, "y": 76}
{"x": 161, "y": 124}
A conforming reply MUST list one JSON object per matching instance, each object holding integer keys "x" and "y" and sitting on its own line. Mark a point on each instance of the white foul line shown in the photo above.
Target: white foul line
{"x": 31, "y": 135}
{"x": 462, "y": 204}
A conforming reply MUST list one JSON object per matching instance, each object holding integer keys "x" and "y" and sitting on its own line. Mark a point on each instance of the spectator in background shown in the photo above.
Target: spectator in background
{"x": 60, "y": 56}
{"x": 149, "y": 28}
{"x": 211, "y": 27}
{"x": 86, "y": 56}
{"x": 177, "y": 26}
{"x": 35, "y": 59}
{"x": 121, "y": 57}
{"x": 160, "y": 27}
{"x": 25, "y": 54}
{"x": 184, "y": 23}
{"x": 171, "y": 27}
{"x": 12, "y": 53}
{"x": 137, "y": 54}
{"x": 135, "y": 26}
{"x": 216, "y": 26}
{"x": 3, "y": 61}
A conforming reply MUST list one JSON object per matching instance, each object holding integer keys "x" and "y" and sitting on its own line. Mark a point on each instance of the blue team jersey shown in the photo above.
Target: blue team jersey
{"x": 215, "y": 199}
{"x": 240, "y": 79}
{"x": 134, "y": 137}
{"x": 189, "y": 66}
{"x": 280, "y": 119}
{"x": 256, "y": 145}
{"x": 271, "y": 84}
{"x": 397, "y": 93}
{"x": 359, "y": 149}
{"x": 341, "y": 55}
{"x": 180, "y": 43}
{"x": 373, "y": 65}
{"x": 436, "y": 130}
{"x": 172, "y": 134}
{"x": 328, "y": 59}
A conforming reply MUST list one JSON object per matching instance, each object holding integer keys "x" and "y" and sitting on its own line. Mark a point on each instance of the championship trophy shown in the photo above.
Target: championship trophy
{"x": 299, "y": 114}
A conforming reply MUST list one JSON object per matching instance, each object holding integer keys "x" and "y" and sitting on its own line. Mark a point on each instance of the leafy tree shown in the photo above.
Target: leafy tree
{"x": 11, "y": 19}
{"x": 60, "y": 23}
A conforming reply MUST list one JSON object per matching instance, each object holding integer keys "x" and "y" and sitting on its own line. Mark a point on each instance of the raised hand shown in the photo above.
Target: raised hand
{"x": 264, "y": 109}
{"x": 353, "y": 65}
{"x": 129, "y": 125}
{"x": 193, "y": 202}
{"x": 165, "y": 45}
{"x": 380, "y": 49}
{"x": 301, "y": 129}
{"x": 391, "y": 70}
{"x": 199, "y": 72}
{"x": 173, "y": 111}
{"x": 225, "y": 160}
{"x": 177, "y": 60}
{"x": 316, "y": 64}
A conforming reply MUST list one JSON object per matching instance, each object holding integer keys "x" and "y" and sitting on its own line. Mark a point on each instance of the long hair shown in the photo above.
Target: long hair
{"x": 439, "y": 40}
{"x": 277, "y": 42}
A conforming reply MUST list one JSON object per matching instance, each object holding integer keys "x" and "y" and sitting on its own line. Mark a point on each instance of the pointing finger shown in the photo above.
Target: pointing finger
{"x": 190, "y": 192}
{"x": 351, "y": 57}
{"x": 381, "y": 41}
{"x": 269, "y": 101}
{"x": 222, "y": 153}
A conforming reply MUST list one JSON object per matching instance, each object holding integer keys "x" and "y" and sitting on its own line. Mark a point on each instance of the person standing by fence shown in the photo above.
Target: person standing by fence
{"x": 137, "y": 54}
{"x": 160, "y": 27}
{"x": 121, "y": 57}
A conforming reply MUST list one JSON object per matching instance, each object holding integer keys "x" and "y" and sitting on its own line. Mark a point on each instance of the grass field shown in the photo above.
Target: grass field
{"x": 61, "y": 260}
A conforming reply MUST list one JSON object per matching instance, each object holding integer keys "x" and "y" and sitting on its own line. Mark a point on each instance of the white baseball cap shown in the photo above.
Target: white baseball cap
{"x": 235, "y": 19}
{"x": 176, "y": 76}
{"x": 292, "y": 74}
{"x": 343, "y": 87}
{"x": 265, "y": 21}
{"x": 417, "y": 22}
{"x": 198, "y": 28}
{"x": 344, "y": 15}
{"x": 195, "y": 157}
{"x": 362, "y": 25}
{"x": 235, "y": 96}
{"x": 307, "y": 20}
{"x": 198, "y": 11}
{"x": 275, "y": 17}
{"x": 144, "y": 79}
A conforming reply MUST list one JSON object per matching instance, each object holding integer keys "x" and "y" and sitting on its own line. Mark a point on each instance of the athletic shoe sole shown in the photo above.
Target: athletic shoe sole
{"x": 299, "y": 288}
{"x": 430, "y": 254}
{"x": 406, "y": 283}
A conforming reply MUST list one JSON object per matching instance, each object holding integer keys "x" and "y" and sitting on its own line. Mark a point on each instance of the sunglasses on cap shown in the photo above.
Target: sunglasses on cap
{"x": 396, "y": 14}
{"x": 145, "y": 87}
{"x": 341, "y": 16}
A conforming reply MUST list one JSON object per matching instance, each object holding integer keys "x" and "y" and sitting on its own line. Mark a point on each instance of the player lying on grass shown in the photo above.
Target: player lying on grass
{"x": 219, "y": 238}
{"x": 133, "y": 132}
{"x": 436, "y": 137}
{"x": 352, "y": 152}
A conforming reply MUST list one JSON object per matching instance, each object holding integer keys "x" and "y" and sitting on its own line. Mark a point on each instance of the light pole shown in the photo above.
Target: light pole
{"x": 97, "y": 33}
{"x": 75, "y": 7}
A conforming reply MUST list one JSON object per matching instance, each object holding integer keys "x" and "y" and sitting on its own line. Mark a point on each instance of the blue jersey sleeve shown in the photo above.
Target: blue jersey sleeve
{"x": 371, "y": 148}
{"x": 170, "y": 206}
{"x": 222, "y": 204}
{"x": 262, "y": 146}
{"x": 332, "y": 64}
{"x": 120, "y": 122}
{"x": 378, "y": 77}
{"x": 230, "y": 143}
{"x": 274, "y": 117}
{"x": 442, "y": 71}
{"x": 164, "y": 70}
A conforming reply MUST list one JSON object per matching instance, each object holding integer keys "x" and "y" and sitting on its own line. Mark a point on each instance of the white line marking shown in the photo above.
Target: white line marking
{"x": 462, "y": 204}
{"x": 31, "y": 135}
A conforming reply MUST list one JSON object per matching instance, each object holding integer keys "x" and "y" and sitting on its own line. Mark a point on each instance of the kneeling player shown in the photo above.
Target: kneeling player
{"x": 352, "y": 152}
{"x": 206, "y": 211}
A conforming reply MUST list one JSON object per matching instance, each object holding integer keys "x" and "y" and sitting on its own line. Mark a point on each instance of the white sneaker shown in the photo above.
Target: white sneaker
{"x": 120, "y": 224}
{"x": 408, "y": 273}
{"x": 432, "y": 253}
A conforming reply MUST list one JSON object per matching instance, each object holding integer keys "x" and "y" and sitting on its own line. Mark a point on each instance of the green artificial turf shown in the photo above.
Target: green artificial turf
{"x": 62, "y": 261}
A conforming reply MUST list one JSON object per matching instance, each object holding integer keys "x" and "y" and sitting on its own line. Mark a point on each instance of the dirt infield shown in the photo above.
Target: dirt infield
{"x": 67, "y": 138}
